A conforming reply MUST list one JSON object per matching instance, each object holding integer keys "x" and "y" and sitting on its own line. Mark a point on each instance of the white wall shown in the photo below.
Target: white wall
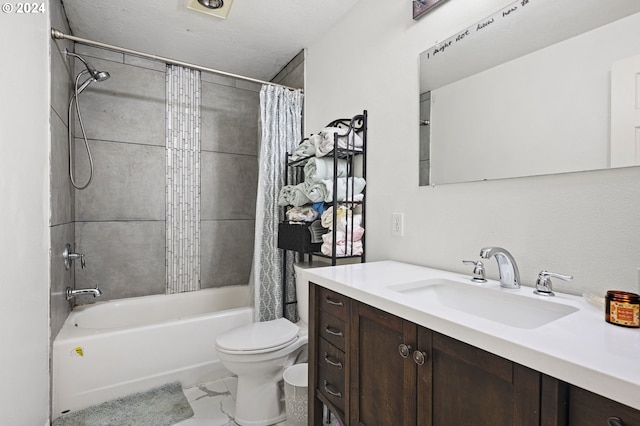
{"x": 585, "y": 224}
{"x": 24, "y": 219}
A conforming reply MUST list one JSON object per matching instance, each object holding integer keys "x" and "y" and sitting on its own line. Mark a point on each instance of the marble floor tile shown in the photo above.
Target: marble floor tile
{"x": 213, "y": 403}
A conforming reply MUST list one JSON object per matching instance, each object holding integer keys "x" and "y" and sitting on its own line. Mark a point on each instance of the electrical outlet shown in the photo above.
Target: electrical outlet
{"x": 396, "y": 224}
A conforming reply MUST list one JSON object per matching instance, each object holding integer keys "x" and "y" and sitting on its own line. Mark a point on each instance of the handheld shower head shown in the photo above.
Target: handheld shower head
{"x": 94, "y": 75}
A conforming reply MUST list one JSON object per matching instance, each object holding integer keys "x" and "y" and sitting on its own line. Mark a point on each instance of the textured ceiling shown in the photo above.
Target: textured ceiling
{"x": 257, "y": 40}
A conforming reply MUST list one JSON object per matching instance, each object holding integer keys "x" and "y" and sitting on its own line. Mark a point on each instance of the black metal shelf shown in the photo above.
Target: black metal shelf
{"x": 296, "y": 237}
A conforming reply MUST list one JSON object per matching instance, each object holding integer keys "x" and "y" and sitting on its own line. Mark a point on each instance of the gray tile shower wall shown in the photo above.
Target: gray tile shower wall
{"x": 120, "y": 217}
{"x": 229, "y": 180}
{"x": 62, "y": 228}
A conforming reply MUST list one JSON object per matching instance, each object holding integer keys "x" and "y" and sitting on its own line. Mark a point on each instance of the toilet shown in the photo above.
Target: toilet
{"x": 258, "y": 353}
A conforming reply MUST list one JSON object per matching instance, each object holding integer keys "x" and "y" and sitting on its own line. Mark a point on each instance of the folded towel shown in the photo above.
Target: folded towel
{"x": 316, "y": 192}
{"x": 293, "y": 195}
{"x": 348, "y": 249}
{"x": 318, "y": 169}
{"x": 327, "y": 216}
{"x": 345, "y": 188}
{"x": 344, "y": 236}
{"x": 324, "y": 141}
{"x": 305, "y": 149}
{"x": 302, "y": 214}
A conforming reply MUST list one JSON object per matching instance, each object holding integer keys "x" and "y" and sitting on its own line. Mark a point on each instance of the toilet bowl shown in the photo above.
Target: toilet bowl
{"x": 258, "y": 354}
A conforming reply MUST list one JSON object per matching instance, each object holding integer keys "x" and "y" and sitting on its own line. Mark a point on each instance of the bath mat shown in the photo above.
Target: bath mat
{"x": 162, "y": 406}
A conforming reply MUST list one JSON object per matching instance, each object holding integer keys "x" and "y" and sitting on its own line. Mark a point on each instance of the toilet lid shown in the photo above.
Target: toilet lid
{"x": 259, "y": 336}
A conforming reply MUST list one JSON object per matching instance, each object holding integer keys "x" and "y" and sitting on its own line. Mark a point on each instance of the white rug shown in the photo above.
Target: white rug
{"x": 162, "y": 406}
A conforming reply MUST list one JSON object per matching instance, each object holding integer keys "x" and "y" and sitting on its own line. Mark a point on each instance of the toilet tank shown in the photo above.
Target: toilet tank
{"x": 302, "y": 292}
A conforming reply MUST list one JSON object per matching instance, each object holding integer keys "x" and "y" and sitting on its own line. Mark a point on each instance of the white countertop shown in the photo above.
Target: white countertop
{"x": 580, "y": 348}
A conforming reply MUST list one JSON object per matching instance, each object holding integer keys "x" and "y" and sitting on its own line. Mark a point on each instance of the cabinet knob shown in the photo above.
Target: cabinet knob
{"x": 419, "y": 357}
{"x": 404, "y": 350}
{"x": 614, "y": 421}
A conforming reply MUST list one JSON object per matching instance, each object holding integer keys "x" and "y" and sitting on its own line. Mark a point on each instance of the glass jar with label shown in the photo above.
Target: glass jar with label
{"x": 622, "y": 308}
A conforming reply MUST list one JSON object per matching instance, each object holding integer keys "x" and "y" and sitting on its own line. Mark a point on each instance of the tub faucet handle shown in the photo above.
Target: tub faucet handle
{"x": 70, "y": 256}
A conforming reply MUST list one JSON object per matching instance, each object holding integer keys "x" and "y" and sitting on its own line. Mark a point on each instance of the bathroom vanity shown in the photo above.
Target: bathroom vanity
{"x": 392, "y": 343}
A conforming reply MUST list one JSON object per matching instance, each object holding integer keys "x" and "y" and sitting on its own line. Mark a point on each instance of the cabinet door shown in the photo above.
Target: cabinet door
{"x": 382, "y": 381}
{"x": 469, "y": 386}
{"x": 589, "y": 409}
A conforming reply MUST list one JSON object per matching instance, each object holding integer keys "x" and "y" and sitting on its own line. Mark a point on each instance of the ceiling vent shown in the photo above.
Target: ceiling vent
{"x": 218, "y": 8}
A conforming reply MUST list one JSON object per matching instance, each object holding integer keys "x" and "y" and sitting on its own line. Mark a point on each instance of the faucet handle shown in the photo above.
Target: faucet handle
{"x": 478, "y": 271}
{"x": 544, "y": 285}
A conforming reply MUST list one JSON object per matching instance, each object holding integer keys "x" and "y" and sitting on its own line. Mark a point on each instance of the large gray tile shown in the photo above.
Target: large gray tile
{"x": 61, "y": 78}
{"x": 228, "y": 186}
{"x": 61, "y": 278}
{"x": 292, "y": 74}
{"x": 98, "y": 53}
{"x": 226, "y": 252}
{"x": 229, "y": 119}
{"x": 62, "y": 195}
{"x": 145, "y": 63}
{"x": 125, "y": 259}
{"x": 218, "y": 79}
{"x": 128, "y": 182}
{"x": 128, "y": 107}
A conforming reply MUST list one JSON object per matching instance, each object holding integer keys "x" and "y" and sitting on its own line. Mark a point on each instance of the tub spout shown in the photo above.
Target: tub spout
{"x": 71, "y": 293}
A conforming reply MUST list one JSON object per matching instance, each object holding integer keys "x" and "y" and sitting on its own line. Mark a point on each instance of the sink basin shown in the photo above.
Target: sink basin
{"x": 492, "y": 304}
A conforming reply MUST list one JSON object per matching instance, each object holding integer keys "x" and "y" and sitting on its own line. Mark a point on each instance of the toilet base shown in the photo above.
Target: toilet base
{"x": 259, "y": 402}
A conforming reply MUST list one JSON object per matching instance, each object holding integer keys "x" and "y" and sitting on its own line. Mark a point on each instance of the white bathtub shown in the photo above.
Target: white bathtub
{"x": 110, "y": 349}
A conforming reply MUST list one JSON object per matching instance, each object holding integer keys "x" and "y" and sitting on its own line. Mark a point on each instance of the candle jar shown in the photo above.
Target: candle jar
{"x": 622, "y": 308}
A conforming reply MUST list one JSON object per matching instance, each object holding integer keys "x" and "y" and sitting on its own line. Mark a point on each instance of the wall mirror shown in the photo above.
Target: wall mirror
{"x": 540, "y": 87}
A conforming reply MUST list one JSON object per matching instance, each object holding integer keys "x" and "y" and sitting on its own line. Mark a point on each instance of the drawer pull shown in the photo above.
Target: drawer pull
{"x": 615, "y": 421}
{"x": 334, "y": 393}
{"x": 332, "y": 331}
{"x": 334, "y": 302}
{"x": 329, "y": 361}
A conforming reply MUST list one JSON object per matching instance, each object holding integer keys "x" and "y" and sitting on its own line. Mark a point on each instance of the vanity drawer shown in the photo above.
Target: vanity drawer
{"x": 332, "y": 388}
{"x": 331, "y": 358}
{"x": 333, "y": 303}
{"x": 332, "y": 329}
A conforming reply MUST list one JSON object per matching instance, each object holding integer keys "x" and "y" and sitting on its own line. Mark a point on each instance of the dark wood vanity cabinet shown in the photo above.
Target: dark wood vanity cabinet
{"x": 384, "y": 370}
{"x": 588, "y": 409}
{"x": 404, "y": 374}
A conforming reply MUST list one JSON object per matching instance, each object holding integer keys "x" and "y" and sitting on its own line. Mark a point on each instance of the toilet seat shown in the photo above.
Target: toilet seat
{"x": 258, "y": 337}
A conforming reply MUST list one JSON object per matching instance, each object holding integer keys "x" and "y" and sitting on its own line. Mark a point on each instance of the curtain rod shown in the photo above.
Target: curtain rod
{"x": 57, "y": 34}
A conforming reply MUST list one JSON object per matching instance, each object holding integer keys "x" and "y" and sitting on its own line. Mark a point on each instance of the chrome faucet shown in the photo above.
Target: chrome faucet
{"x": 71, "y": 293}
{"x": 509, "y": 274}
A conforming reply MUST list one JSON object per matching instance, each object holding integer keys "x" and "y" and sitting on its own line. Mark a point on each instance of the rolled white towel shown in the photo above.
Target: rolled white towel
{"x": 344, "y": 188}
{"x": 306, "y": 149}
{"x": 324, "y": 141}
{"x": 294, "y": 195}
{"x": 316, "y": 192}
{"x": 318, "y": 169}
{"x": 342, "y": 213}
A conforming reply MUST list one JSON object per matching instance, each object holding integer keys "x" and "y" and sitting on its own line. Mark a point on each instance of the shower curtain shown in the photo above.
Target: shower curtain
{"x": 281, "y": 122}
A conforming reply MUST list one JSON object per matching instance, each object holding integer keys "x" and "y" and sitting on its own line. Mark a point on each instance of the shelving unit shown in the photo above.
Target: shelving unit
{"x": 297, "y": 237}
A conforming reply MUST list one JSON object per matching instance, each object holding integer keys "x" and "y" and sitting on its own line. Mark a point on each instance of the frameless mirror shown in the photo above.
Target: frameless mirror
{"x": 539, "y": 87}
